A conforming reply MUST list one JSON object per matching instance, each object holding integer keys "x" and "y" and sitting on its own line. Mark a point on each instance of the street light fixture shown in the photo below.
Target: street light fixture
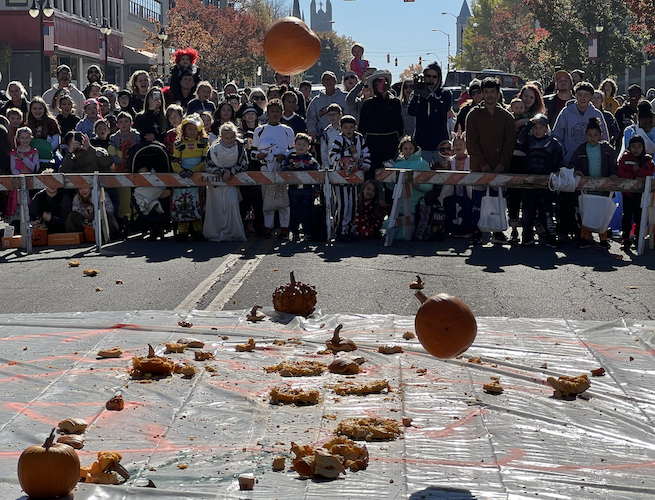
{"x": 448, "y": 35}
{"x": 162, "y": 38}
{"x": 599, "y": 30}
{"x": 105, "y": 29}
{"x": 39, "y": 10}
{"x": 448, "y": 14}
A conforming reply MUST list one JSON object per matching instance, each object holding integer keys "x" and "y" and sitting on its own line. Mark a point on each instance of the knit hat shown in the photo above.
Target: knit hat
{"x": 248, "y": 107}
{"x": 122, "y": 93}
{"x": 636, "y": 139}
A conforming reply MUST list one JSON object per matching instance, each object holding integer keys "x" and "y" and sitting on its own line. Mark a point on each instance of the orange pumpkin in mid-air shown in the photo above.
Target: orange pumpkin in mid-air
{"x": 445, "y": 325}
{"x": 290, "y": 47}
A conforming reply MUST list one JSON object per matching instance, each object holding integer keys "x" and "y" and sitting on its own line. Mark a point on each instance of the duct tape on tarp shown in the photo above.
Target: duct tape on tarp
{"x": 194, "y": 437}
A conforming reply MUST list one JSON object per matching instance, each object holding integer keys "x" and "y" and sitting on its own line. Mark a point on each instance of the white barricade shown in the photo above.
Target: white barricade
{"x": 521, "y": 181}
{"x": 97, "y": 180}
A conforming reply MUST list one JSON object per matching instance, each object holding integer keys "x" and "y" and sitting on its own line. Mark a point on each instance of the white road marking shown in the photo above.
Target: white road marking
{"x": 193, "y": 299}
{"x": 234, "y": 284}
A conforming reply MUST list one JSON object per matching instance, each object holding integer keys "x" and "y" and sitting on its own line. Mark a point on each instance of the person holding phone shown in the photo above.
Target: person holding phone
{"x": 151, "y": 122}
{"x": 82, "y": 157}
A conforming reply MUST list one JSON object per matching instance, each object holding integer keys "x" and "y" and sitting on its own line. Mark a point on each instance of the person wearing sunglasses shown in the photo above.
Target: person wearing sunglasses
{"x": 93, "y": 75}
{"x": 430, "y": 104}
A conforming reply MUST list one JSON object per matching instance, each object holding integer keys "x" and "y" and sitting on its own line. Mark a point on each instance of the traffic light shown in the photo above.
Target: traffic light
{"x": 420, "y": 61}
{"x": 388, "y": 59}
{"x": 396, "y": 61}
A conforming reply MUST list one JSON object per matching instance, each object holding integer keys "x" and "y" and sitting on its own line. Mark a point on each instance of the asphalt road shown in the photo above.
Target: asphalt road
{"x": 358, "y": 278}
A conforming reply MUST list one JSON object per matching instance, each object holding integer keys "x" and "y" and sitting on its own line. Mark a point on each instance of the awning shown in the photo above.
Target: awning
{"x": 136, "y": 56}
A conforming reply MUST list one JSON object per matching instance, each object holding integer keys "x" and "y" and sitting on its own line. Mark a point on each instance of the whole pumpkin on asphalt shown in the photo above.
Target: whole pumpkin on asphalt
{"x": 445, "y": 325}
{"x": 295, "y": 298}
{"x": 48, "y": 470}
{"x": 290, "y": 47}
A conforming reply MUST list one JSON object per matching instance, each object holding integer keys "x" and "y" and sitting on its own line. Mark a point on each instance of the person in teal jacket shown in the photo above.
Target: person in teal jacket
{"x": 409, "y": 157}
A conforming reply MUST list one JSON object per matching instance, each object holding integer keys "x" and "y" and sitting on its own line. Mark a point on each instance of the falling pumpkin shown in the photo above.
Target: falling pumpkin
{"x": 290, "y": 47}
{"x": 295, "y": 298}
{"x": 48, "y": 470}
{"x": 445, "y": 325}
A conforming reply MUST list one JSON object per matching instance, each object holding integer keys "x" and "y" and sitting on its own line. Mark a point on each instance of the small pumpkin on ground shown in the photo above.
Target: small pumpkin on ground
{"x": 48, "y": 470}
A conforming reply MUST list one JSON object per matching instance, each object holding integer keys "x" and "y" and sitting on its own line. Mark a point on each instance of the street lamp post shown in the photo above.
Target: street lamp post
{"x": 448, "y": 61}
{"x": 162, "y": 38}
{"x": 599, "y": 30}
{"x": 105, "y": 29}
{"x": 39, "y": 10}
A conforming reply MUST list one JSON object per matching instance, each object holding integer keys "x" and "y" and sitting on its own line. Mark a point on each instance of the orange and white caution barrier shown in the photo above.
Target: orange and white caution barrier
{"x": 523, "y": 181}
{"x": 97, "y": 181}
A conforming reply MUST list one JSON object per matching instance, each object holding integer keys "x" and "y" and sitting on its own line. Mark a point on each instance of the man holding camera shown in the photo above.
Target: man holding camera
{"x": 430, "y": 105}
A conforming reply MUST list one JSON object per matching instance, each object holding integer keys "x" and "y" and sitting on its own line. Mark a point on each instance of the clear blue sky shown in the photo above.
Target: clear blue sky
{"x": 401, "y": 29}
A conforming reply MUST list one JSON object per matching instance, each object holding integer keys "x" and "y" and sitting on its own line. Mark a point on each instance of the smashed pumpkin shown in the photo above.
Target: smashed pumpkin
{"x": 295, "y": 298}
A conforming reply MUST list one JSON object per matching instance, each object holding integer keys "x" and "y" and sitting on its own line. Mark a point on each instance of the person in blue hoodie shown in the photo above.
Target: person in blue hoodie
{"x": 543, "y": 156}
{"x": 409, "y": 157}
{"x": 430, "y": 104}
{"x": 570, "y": 130}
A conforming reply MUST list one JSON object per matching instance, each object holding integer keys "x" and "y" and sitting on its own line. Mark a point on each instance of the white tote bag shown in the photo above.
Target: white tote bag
{"x": 596, "y": 211}
{"x": 565, "y": 180}
{"x": 493, "y": 213}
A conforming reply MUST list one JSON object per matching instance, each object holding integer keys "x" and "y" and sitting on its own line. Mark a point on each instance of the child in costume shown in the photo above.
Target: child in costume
{"x": 634, "y": 163}
{"x": 370, "y": 213}
{"x": 270, "y": 144}
{"x": 188, "y": 157}
{"x": 24, "y": 159}
{"x": 185, "y": 61}
{"x": 350, "y": 153}
{"x": 300, "y": 196}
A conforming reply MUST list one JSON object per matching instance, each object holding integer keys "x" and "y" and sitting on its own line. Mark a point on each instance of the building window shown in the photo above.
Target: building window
{"x": 146, "y": 9}
{"x": 16, "y": 3}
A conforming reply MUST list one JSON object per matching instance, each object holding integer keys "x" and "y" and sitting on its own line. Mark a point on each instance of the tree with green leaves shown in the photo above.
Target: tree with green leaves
{"x": 531, "y": 37}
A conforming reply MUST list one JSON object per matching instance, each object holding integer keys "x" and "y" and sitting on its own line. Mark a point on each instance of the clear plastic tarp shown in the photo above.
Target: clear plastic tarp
{"x": 194, "y": 437}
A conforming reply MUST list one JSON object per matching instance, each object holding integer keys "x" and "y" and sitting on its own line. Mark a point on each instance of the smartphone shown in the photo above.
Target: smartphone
{"x": 156, "y": 96}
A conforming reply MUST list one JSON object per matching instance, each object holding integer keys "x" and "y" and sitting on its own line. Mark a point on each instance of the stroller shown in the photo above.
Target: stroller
{"x": 150, "y": 206}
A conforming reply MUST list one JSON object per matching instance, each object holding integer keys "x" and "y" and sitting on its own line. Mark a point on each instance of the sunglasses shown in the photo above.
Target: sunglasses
{"x": 476, "y": 92}
{"x": 443, "y": 150}
{"x": 352, "y": 77}
{"x": 409, "y": 86}
{"x": 258, "y": 98}
{"x": 94, "y": 71}
{"x": 431, "y": 76}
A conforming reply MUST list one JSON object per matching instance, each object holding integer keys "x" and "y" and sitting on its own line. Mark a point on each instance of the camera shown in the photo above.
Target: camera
{"x": 420, "y": 87}
{"x": 79, "y": 137}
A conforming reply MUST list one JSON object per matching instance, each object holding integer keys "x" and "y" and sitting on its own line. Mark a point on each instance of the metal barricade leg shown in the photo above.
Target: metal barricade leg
{"x": 646, "y": 207}
{"x": 395, "y": 208}
{"x": 97, "y": 227}
{"x": 327, "y": 194}
{"x": 25, "y": 228}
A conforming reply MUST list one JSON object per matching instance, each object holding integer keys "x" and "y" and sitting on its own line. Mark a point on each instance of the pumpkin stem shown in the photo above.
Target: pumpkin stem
{"x": 421, "y": 296}
{"x": 336, "y": 339}
{"x": 293, "y": 278}
{"x": 253, "y": 311}
{"x": 418, "y": 279}
{"x": 50, "y": 440}
{"x": 151, "y": 352}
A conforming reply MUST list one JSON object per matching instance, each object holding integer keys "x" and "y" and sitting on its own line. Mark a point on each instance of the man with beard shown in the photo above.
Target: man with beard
{"x": 64, "y": 81}
{"x": 93, "y": 75}
{"x": 430, "y": 105}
